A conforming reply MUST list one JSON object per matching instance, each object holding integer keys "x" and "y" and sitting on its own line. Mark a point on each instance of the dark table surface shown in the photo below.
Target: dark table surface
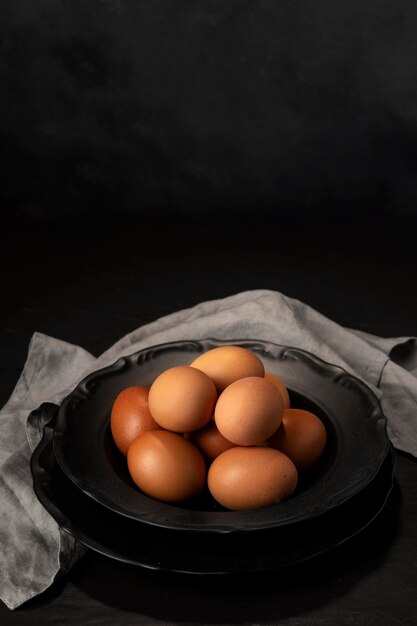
{"x": 91, "y": 281}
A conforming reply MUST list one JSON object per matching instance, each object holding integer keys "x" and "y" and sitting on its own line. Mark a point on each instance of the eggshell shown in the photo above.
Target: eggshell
{"x": 278, "y": 383}
{"x": 251, "y": 477}
{"x": 249, "y": 411}
{"x": 166, "y": 467}
{"x": 182, "y": 399}
{"x": 130, "y": 416}
{"x": 302, "y": 436}
{"x": 226, "y": 364}
{"x": 209, "y": 440}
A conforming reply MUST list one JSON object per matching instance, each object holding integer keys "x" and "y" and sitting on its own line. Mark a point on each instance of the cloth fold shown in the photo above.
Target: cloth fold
{"x": 34, "y": 551}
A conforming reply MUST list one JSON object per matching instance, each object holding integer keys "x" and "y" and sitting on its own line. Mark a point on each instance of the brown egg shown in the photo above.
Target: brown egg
{"x": 130, "y": 416}
{"x": 209, "y": 440}
{"x": 249, "y": 411}
{"x": 166, "y": 467}
{"x": 226, "y": 364}
{"x": 302, "y": 436}
{"x": 277, "y": 382}
{"x": 251, "y": 477}
{"x": 182, "y": 399}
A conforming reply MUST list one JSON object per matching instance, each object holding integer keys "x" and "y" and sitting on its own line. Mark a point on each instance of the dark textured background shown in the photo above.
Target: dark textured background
{"x": 202, "y": 107}
{"x": 158, "y": 154}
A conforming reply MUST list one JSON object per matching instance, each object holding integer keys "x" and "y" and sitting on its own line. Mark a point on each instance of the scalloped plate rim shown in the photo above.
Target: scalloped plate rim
{"x": 341, "y": 496}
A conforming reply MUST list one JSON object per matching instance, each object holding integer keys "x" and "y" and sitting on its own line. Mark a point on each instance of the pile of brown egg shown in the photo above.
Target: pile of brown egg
{"x": 222, "y": 421}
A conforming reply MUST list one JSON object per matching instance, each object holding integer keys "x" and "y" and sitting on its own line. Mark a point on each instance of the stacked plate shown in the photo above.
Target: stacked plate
{"x": 82, "y": 479}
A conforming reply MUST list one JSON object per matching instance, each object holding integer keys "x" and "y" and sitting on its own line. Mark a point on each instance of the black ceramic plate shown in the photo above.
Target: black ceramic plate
{"x": 356, "y": 427}
{"x": 127, "y": 540}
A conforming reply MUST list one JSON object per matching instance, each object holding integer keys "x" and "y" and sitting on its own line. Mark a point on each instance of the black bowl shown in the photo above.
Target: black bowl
{"x": 356, "y": 447}
{"x": 149, "y": 546}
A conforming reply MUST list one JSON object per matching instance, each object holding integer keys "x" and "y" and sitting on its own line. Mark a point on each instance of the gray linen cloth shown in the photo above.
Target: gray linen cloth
{"x": 34, "y": 551}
